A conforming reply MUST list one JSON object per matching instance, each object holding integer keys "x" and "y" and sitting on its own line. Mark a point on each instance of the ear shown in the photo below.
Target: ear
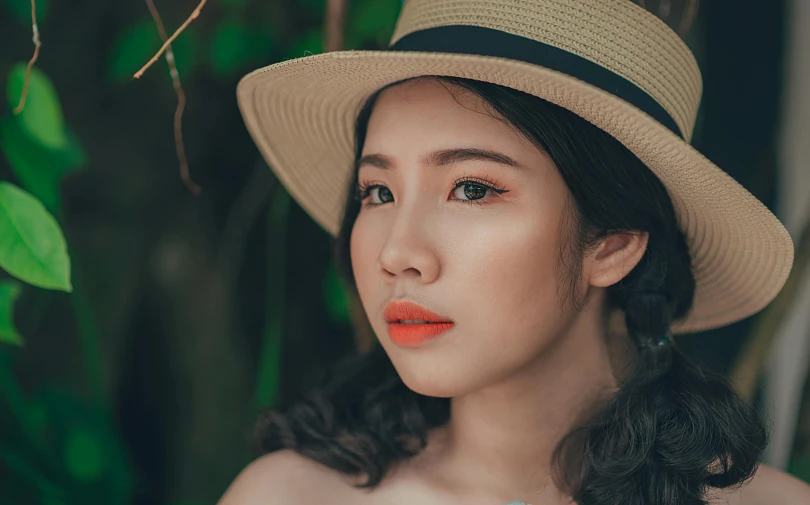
{"x": 615, "y": 257}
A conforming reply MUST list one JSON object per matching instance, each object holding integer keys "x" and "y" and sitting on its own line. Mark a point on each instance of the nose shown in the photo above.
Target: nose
{"x": 408, "y": 251}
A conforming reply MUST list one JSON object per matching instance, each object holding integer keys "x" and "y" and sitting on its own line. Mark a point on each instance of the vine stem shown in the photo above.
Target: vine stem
{"x": 181, "y": 100}
{"x": 37, "y": 45}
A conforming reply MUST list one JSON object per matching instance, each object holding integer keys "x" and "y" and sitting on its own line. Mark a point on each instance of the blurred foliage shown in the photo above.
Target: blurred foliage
{"x": 267, "y": 384}
{"x": 310, "y": 42}
{"x": 9, "y": 292}
{"x": 235, "y": 46}
{"x": 800, "y": 467}
{"x": 60, "y": 447}
{"x": 370, "y": 23}
{"x": 39, "y": 168}
{"x": 337, "y": 303}
{"x": 42, "y": 117}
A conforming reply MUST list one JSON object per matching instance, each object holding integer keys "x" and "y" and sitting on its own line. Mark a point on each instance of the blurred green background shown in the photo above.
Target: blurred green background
{"x": 135, "y": 356}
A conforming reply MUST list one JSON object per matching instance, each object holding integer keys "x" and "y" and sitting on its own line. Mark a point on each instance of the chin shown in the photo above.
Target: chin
{"x": 440, "y": 379}
{"x": 434, "y": 387}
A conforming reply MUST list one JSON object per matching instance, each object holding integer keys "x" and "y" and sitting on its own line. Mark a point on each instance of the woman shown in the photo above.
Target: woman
{"x": 525, "y": 232}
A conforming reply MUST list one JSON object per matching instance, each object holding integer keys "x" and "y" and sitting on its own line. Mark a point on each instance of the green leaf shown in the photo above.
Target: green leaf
{"x": 32, "y": 246}
{"x": 42, "y": 114}
{"x": 337, "y": 302}
{"x": 38, "y": 168}
{"x": 9, "y": 292}
{"x": 21, "y": 10}
{"x": 139, "y": 42}
{"x": 311, "y": 42}
{"x": 83, "y": 455}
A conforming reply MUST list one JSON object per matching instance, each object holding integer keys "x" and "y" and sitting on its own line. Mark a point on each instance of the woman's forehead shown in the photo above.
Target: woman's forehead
{"x": 416, "y": 118}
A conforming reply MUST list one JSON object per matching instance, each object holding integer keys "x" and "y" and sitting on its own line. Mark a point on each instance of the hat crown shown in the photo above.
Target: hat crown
{"x": 618, "y": 35}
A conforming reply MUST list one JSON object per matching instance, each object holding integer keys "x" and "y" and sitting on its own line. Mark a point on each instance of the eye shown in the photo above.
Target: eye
{"x": 366, "y": 190}
{"x": 473, "y": 191}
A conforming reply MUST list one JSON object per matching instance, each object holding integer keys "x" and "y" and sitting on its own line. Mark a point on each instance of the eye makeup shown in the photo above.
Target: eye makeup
{"x": 363, "y": 189}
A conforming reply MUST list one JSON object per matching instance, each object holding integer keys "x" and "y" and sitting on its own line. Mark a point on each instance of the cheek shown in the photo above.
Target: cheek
{"x": 516, "y": 294}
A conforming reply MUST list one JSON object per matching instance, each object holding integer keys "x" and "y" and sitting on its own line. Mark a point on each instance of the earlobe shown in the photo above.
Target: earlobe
{"x": 616, "y": 257}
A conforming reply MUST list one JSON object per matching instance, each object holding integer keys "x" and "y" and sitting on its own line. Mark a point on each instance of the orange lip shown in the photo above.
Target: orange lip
{"x": 411, "y": 334}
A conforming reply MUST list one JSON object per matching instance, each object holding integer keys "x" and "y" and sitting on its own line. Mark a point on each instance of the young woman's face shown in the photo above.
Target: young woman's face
{"x": 433, "y": 233}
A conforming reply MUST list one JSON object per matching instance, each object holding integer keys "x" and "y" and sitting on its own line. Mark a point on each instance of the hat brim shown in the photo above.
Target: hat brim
{"x": 301, "y": 115}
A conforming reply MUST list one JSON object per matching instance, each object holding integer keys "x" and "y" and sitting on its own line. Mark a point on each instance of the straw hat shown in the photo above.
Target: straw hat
{"x": 609, "y": 61}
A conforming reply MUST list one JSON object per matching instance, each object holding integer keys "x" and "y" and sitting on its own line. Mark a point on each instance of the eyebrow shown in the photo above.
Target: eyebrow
{"x": 445, "y": 157}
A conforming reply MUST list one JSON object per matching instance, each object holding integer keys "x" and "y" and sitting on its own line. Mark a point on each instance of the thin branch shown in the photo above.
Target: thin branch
{"x": 37, "y": 45}
{"x": 181, "y": 102}
{"x": 194, "y": 15}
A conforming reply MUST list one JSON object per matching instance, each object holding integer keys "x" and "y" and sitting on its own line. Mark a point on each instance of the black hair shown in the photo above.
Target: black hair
{"x": 674, "y": 428}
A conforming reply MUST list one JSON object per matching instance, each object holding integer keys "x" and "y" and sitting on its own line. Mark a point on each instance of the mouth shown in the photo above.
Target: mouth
{"x": 405, "y": 312}
{"x": 410, "y": 324}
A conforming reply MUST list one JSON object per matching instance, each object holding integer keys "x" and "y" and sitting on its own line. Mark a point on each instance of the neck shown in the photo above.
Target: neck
{"x": 499, "y": 441}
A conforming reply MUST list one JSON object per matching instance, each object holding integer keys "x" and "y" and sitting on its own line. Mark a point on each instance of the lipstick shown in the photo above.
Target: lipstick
{"x": 410, "y": 324}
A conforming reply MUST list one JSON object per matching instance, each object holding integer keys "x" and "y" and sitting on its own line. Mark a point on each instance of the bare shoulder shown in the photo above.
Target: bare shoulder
{"x": 769, "y": 486}
{"x": 285, "y": 478}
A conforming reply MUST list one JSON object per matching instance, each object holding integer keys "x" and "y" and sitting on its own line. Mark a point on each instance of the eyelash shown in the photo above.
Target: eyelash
{"x": 363, "y": 189}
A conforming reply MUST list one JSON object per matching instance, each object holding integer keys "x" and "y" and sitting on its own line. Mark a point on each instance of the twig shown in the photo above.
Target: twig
{"x": 748, "y": 366}
{"x": 181, "y": 102}
{"x": 688, "y": 17}
{"x": 194, "y": 15}
{"x": 31, "y": 62}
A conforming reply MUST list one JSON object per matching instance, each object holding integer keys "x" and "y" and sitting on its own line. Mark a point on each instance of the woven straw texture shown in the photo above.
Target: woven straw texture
{"x": 301, "y": 115}
{"x": 616, "y": 34}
